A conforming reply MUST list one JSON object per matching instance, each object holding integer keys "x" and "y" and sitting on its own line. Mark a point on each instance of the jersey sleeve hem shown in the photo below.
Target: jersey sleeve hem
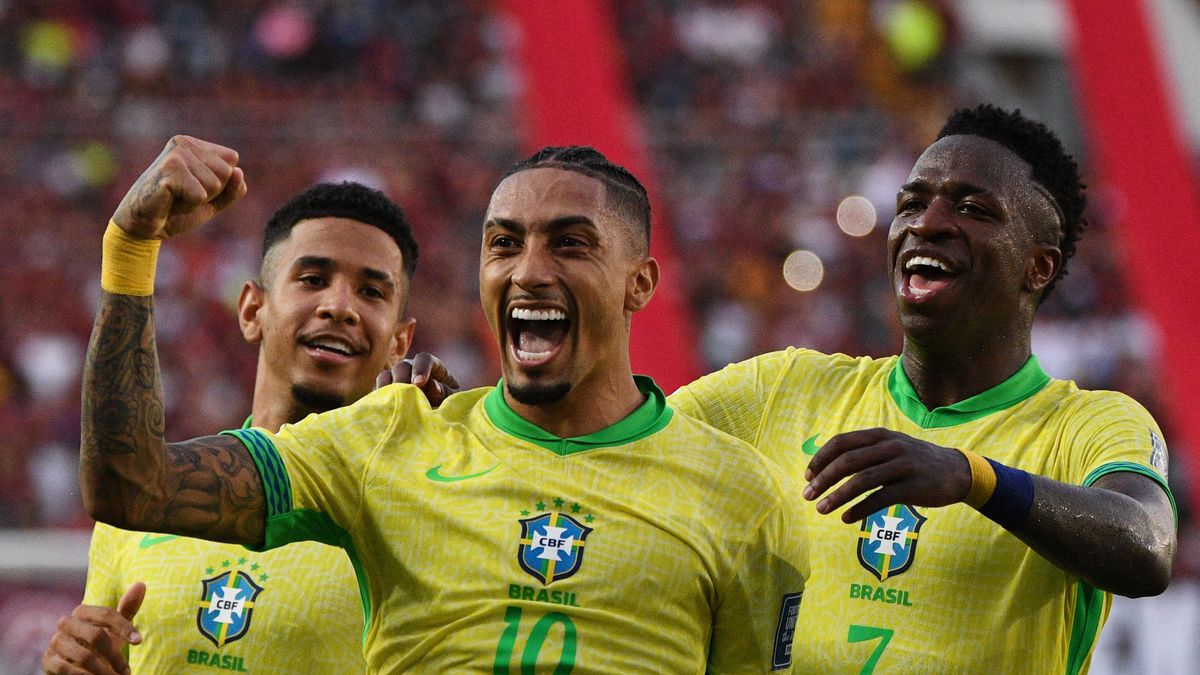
{"x": 277, "y": 487}
{"x": 1133, "y": 467}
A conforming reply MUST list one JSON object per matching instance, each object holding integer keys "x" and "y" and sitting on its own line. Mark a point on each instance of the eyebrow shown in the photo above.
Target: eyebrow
{"x": 555, "y": 224}
{"x": 956, "y": 188}
{"x": 328, "y": 264}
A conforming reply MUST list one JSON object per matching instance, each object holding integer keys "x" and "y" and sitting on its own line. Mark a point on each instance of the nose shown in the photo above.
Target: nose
{"x": 337, "y": 303}
{"x": 935, "y": 221}
{"x": 534, "y": 268}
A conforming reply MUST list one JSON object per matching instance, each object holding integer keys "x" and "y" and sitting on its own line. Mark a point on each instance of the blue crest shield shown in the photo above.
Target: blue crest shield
{"x": 226, "y": 604}
{"x": 551, "y": 546}
{"x": 887, "y": 540}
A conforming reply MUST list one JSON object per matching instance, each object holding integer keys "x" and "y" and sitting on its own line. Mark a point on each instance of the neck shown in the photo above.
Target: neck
{"x": 274, "y": 407}
{"x": 586, "y": 409}
{"x": 944, "y": 375}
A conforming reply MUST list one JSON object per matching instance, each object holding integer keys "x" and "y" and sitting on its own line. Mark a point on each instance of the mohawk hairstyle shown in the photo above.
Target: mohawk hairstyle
{"x": 353, "y": 201}
{"x": 1053, "y": 168}
{"x": 623, "y": 188}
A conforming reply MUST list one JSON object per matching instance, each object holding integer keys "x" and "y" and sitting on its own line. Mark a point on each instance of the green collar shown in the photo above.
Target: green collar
{"x": 649, "y": 418}
{"x": 1026, "y": 382}
{"x": 248, "y": 423}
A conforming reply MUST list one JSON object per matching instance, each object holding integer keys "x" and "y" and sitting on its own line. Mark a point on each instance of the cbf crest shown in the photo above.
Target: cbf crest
{"x": 226, "y": 605}
{"x": 887, "y": 541}
{"x": 552, "y": 544}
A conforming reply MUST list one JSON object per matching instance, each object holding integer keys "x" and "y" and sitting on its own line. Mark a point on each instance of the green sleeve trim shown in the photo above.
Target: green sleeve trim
{"x": 1133, "y": 467}
{"x": 309, "y": 525}
{"x": 276, "y": 484}
{"x": 1085, "y": 627}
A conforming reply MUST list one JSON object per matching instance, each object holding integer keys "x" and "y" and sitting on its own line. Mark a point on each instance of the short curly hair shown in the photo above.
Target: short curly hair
{"x": 349, "y": 200}
{"x": 623, "y": 188}
{"x": 1053, "y": 168}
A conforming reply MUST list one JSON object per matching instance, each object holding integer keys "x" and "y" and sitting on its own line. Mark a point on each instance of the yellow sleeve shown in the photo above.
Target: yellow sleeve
{"x": 103, "y": 561}
{"x": 758, "y": 611}
{"x": 734, "y": 398}
{"x": 314, "y": 472}
{"x": 1114, "y": 433}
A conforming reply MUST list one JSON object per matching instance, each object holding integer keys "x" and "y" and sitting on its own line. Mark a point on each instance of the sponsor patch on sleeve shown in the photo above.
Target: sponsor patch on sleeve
{"x": 1158, "y": 453}
{"x": 789, "y": 612}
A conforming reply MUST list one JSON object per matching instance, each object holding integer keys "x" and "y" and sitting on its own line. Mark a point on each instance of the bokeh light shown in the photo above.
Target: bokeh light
{"x": 856, "y": 216}
{"x": 803, "y": 270}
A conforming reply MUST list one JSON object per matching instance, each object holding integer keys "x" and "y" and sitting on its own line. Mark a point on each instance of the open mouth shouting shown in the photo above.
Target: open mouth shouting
{"x": 536, "y": 335}
{"x": 924, "y": 276}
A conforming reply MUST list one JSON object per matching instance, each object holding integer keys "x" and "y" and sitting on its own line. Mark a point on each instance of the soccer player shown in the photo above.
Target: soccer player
{"x": 328, "y": 315}
{"x": 563, "y": 520}
{"x": 1001, "y": 505}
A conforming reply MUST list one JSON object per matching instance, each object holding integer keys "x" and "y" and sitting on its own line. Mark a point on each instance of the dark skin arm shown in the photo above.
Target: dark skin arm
{"x": 131, "y": 478}
{"x": 1117, "y": 535}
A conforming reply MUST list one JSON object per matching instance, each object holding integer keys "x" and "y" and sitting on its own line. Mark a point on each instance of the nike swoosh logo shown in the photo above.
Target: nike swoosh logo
{"x": 809, "y": 447}
{"x": 151, "y": 540}
{"x": 435, "y": 474}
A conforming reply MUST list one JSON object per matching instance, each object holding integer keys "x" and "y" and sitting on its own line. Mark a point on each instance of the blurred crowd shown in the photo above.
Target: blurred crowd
{"x": 762, "y": 117}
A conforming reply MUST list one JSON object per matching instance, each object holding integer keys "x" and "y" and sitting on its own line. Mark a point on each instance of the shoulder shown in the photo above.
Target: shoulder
{"x": 1087, "y": 404}
{"x": 722, "y": 453}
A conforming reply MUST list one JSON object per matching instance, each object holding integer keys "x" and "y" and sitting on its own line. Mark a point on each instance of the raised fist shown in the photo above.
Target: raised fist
{"x": 189, "y": 182}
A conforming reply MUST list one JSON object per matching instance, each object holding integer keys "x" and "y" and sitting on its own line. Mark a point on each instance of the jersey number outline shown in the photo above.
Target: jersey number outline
{"x": 534, "y": 643}
{"x": 863, "y": 633}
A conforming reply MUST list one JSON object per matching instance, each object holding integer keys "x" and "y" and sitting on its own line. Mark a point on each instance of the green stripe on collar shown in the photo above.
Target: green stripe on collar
{"x": 649, "y": 418}
{"x": 1026, "y": 382}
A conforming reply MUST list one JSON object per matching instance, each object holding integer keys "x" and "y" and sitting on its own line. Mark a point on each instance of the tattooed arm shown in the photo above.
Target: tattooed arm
{"x": 207, "y": 487}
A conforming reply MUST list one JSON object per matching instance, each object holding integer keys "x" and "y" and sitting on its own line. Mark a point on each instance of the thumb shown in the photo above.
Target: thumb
{"x": 131, "y": 602}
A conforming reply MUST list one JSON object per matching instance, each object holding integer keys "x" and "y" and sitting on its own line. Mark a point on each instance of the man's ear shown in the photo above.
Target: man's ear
{"x": 1043, "y": 267}
{"x": 250, "y": 304}
{"x": 640, "y": 286}
{"x": 401, "y": 341}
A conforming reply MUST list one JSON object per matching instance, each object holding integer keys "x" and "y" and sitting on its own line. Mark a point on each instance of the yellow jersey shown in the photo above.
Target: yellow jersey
{"x": 485, "y": 544}
{"x": 213, "y": 607}
{"x": 925, "y": 590}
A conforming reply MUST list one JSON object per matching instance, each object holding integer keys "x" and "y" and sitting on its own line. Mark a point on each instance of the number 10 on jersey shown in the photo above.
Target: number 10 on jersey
{"x": 535, "y": 640}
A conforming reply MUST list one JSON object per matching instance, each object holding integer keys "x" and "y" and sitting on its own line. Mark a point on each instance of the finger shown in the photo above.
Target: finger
{"x": 235, "y": 188}
{"x": 106, "y": 618}
{"x": 442, "y": 374}
{"x": 131, "y": 602}
{"x": 848, "y": 461}
{"x": 383, "y": 379}
{"x": 89, "y": 646}
{"x": 839, "y": 444}
{"x": 55, "y": 664}
{"x": 422, "y": 369}
{"x": 859, "y": 484}
{"x": 876, "y": 501}
{"x": 402, "y": 372}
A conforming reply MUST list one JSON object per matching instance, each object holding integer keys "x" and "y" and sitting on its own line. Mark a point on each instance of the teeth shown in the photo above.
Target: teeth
{"x": 538, "y": 314}
{"x": 926, "y": 262}
{"x": 332, "y": 346}
{"x": 531, "y": 356}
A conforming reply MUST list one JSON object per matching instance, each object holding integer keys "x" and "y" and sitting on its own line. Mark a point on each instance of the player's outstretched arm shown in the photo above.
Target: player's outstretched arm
{"x": 130, "y": 476}
{"x": 1118, "y": 534}
{"x": 90, "y": 639}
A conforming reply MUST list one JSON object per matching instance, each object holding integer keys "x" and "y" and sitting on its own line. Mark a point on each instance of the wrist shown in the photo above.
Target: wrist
{"x": 998, "y": 491}
{"x": 127, "y": 264}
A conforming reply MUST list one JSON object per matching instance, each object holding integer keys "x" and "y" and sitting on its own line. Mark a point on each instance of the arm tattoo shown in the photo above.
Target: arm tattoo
{"x": 207, "y": 487}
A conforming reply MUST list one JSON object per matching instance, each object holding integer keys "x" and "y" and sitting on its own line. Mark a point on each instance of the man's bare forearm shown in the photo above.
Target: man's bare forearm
{"x": 1118, "y": 535}
{"x": 131, "y": 478}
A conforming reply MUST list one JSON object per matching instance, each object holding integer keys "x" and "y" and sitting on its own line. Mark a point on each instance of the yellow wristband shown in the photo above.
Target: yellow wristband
{"x": 127, "y": 264}
{"x": 983, "y": 479}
